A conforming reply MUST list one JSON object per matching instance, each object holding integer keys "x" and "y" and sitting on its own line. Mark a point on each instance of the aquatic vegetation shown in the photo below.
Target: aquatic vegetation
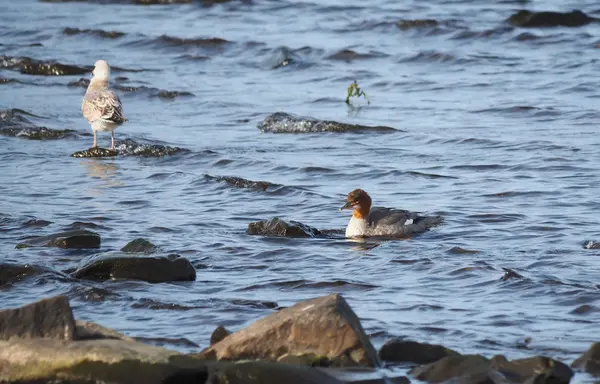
{"x": 355, "y": 91}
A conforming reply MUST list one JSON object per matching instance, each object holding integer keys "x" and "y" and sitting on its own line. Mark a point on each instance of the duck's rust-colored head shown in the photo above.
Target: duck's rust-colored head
{"x": 360, "y": 201}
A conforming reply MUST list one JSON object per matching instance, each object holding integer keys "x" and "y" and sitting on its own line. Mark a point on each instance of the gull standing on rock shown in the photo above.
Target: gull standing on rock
{"x": 101, "y": 107}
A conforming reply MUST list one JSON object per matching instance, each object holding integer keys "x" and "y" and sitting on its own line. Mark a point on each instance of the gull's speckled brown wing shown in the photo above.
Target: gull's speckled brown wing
{"x": 104, "y": 105}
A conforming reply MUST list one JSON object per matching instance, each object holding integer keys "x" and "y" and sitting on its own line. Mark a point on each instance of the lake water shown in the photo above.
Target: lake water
{"x": 496, "y": 131}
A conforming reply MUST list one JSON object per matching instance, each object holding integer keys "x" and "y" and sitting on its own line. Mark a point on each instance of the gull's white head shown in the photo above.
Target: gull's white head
{"x": 101, "y": 70}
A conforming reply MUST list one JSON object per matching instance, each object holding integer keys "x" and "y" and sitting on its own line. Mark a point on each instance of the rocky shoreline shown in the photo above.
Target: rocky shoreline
{"x": 319, "y": 340}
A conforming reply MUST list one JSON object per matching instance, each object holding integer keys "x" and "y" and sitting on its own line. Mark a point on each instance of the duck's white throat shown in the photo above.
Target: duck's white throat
{"x": 356, "y": 227}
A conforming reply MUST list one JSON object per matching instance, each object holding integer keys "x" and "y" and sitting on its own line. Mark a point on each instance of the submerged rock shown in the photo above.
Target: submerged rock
{"x": 589, "y": 361}
{"x": 401, "y": 351}
{"x": 36, "y": 133}
{"x": 95, "y": 152}
{"x": 139, "y": 245}
{"x": 238, "y": 182}
{"x": 278, "y": 227}
{"x": 96, "y": 32}
{"x": 531, "y": 19}
{"x": 324, "y": 327}
{"x": 48, "y": 319}
{"x": 11, "y": 273}
{"x": 416, "y": 23}
{"x": 281, "y": 122}
{"x": 30, "y": 66}
{"x": 155, "y": 269}
{"x": 69, "y": 239}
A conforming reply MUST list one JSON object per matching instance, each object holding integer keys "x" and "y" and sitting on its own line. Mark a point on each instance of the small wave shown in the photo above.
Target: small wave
{"x": 497, "y": 218}
{"x": 94, "y": 32}
{"x": 462, "y": 251}
{"x": 150, "y": 91}
{"x": 430, "y": 175}
{"x": 305, "y": 284}
{"x": 281, "y": 122}
{"x": 435, "y": 57}
{"x": 349, "y": 55}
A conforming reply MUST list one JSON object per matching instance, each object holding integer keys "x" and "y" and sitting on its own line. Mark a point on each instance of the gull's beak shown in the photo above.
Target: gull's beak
{"x": 348, "y": 205}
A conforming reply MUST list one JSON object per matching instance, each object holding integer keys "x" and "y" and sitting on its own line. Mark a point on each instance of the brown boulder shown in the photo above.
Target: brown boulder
{"x": 538, "y": 370}
{"x": 467, "y": 369}
{"x": 401, "y": 351}
{"x": 49, "y": 319}
{"x": 589, "y": 361}
{"x": 325, "y": 327}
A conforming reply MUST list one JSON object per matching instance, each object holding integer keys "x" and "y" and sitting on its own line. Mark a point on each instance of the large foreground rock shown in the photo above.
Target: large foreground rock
{"x": 153, "y": 269}
{"x": 589, "y": 361}
{"x": 324, "y": 328}
{"x": 278, "y": 227}
{"x": 401, "y": 351}
{"x": 50, "y": 318}
{"x": 125, "y": 362}
{"x": 68, "y": 239}
{"x": 475, "y": 369}
{"x": 281, "y": 122}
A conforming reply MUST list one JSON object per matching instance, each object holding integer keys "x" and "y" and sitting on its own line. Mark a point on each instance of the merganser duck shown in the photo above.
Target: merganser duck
{"x": 379, "y": 221}
{"x": 102, "y": 107}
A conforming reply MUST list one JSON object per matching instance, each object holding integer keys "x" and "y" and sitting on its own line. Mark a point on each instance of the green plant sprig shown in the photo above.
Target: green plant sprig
{"x": 355, "y": 91}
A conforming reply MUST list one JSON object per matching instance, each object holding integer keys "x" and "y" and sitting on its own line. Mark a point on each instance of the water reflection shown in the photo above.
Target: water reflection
{"x": 107, "y": 172}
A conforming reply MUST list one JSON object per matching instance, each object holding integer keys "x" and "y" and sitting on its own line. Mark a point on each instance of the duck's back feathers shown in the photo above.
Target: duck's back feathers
{"x": 398, "y": 222}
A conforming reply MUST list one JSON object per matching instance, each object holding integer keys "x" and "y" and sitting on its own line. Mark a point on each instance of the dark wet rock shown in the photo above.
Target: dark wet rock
{"x": 325, "y": 327}
{"x": 531, "y": 19}
{"x": 95, "y": 152}
{"x": 534, "y": 370}
{"x": 139, "y": 245}
{"x": 462, "y": 251}
{"x": 254, "y": 372}
{"x": 401, "y": 351}
{"x": 238, "y": 182}
{"x": 11, "y": 273}
{"x": 49, "y": 319}
{"x": 591, "y": 244}
{"x": 584, "y": 309}
{"x": 36, "y": 133}
{"x": 30, "y": 66}
{"x": 589, "y": 361}
{"x": 278, "y": 227}
{"x": 131, "y": 148}
{"x": 281, "y": 122}
{"x": 510, "y": 274}
{"x": 467, "y": 369}
{"x": 95, "y": 32}
{"x": 155, "y": 269}
{"x": 416, "y": 23}
{"x": 68, "y": 239}
{"x": 349, "y": 55}
{"x": 219, "y": 334}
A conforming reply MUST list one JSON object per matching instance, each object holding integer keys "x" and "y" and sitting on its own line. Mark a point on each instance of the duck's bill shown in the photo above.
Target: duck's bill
{"x": 346, "y": 206}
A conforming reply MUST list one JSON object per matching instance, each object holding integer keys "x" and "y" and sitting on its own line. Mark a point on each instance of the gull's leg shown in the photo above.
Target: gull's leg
{"x": 94, "y": 146}
{"x": 112, "y": 140}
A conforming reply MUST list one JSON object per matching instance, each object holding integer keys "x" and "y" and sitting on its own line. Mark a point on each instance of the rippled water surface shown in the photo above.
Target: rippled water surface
{"x": 496, "y": 130}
